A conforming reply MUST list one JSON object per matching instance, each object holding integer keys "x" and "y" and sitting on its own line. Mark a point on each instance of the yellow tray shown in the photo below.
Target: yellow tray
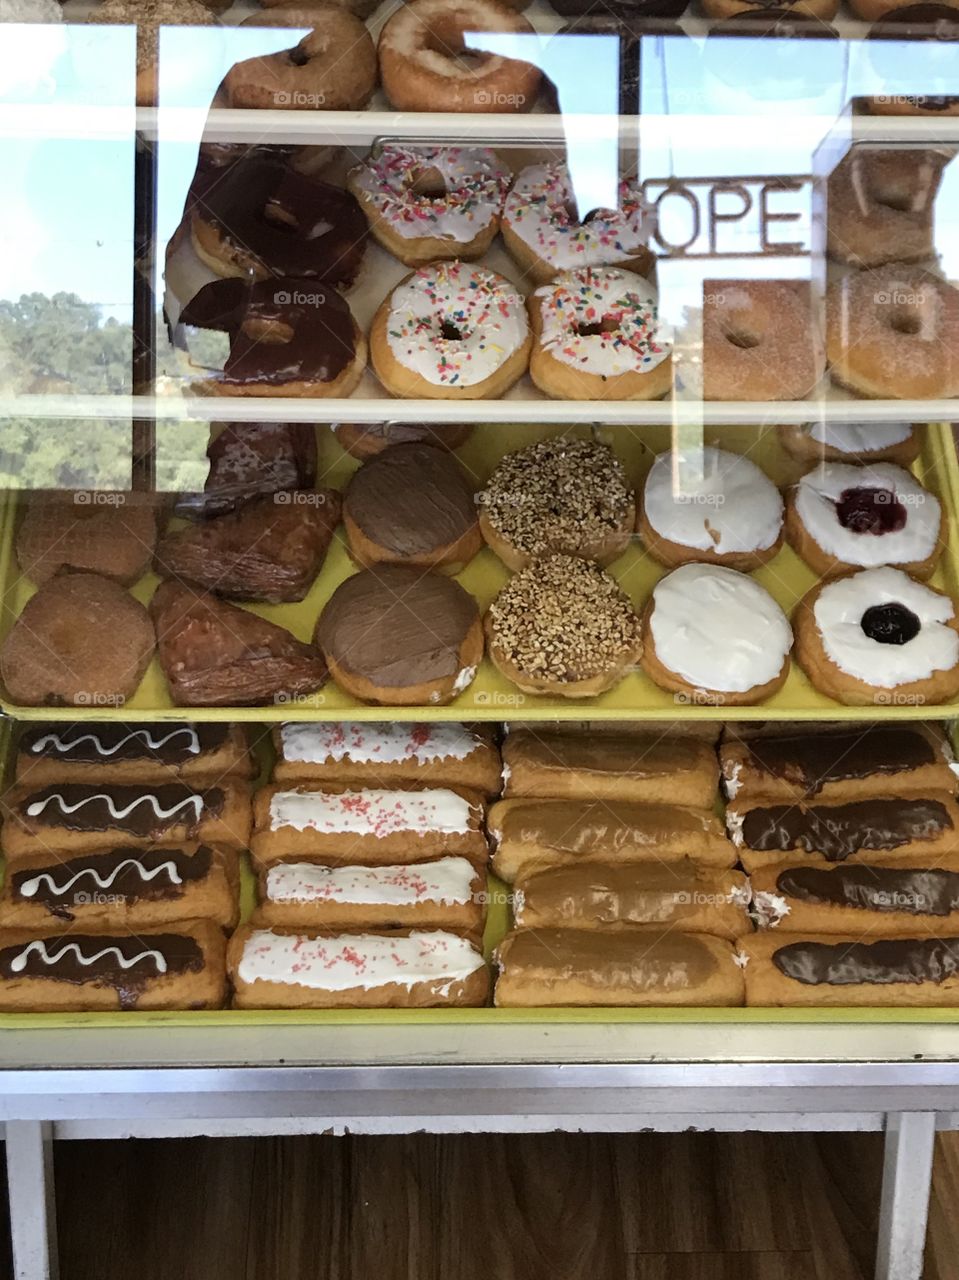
{"x": 491, "y": 697}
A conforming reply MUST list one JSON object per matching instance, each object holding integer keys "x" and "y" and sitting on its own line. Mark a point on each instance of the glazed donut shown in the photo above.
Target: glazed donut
{"x": 425, "y": 64}
{"x": 734, "y": 516}
{"x": 261, "y": 217}
{"x": 425, "y": 203}
{"x": 823, "y": 10}
{"x": 881, "y": 205}
{"x": 451, "y": 332}
{"x": 598, "y": 337}
{"x": 760, "y": 340}
{"x": 365, "y": 439}
{"x": 322, "y": 351}
{"x": 893, "y": 333}
{"x": 544, "y": 235}
{"x": 877, "y": 637}
{"x": 937, "y": 26}
{"x": 852, "y": 441}
{"x": 841, "y": 517}
{"x": 331, "y": 69}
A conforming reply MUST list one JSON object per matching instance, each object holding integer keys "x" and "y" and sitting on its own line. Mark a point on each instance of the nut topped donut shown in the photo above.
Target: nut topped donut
{"x": 733, "y": 516}
{"x": 760, "y": 340}
{"x": 852, "y": 441}
{"x": 893, "y": 333}
{"x": 426, "y": 203}
{"x": 841, "y": 517}
{"x": 427, "y": 64}
{"x": 450, "y": 331}
{"x": 879, "y": 636}
{"x": 598, "y": 337}
{"x": 881, "y": 205}
{"x": 544, "y": 234}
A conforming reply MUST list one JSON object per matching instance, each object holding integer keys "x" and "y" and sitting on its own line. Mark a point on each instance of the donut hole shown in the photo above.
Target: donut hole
{"x": 272, "y": 333}
{"x": 300, "y": 56}
{"x": 593, "y": 328}
{"x": 741, "y": 337}
{"x": 450, "y": 331}
{"x": 572, "y": 214}
{"x": 445, "y": 38}
{"x": 428, "y": 184}
{"x": 899, "y": 201}
{"x": 906, "y": 321}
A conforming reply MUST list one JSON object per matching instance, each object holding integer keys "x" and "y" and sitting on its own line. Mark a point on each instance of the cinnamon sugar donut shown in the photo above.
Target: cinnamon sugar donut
{"x": 426, "y": 66}
{"x": 893, "y": 333}
{"x": 881, "y": 205}
{"x": 760, "y": 341}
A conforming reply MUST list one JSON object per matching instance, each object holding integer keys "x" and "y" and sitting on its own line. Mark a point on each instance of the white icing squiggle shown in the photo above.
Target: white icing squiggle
{"x": 66, "y": 743}
{"x": 372, "y": 812}
{"x": 31, "y": 887}
{"x": 19, "y": 962}
{"x": 447, "y": 880}
{"x": 382, "y": 743}
{"x": 36, "y": 807}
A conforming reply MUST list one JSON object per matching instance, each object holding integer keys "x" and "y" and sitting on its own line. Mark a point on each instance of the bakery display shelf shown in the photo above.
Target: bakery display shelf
{"x": 491, "y": 696}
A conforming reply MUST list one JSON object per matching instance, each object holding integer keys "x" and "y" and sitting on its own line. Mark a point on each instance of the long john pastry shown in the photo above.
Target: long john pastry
{"x": 85, "y": 752}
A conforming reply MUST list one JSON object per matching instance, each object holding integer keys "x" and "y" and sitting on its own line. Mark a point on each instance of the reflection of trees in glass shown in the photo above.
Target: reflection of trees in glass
{"x": 72, "y": 453}
{"x": 62, "y": 344}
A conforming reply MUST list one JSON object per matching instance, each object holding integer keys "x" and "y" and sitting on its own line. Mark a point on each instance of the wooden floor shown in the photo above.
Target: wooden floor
{"x": 555, "y": 1207}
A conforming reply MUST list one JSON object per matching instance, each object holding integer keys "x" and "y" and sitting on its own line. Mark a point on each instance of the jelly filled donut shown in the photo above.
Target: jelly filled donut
{"x": 333, "y": 68}
{"x": 760, "y": 340}
{"x": 733, "y": 516}
{"x": 841, "y": 517}
{"x": 427, "y": 65}
{"x": 893, "y": 333}
{"x": 881, "y": 205}
{"x": 937, "y": 27}
{"x": 852, "y": 441}
{"x": 451, "y": 332}
{"x": 298, "y": 340}
{"x": 426, "y": 203}
{"x": 544, "y": 235}
{"x": 598, "y": 337}
{"x": 264, "y": 218}
{"x": 878, "y": 637}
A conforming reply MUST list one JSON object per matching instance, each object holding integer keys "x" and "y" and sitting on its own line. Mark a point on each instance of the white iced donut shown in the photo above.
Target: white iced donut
{"x": 841, "y": 517}
{"x": 710, "y": 629}
{"x": 732, "y": 516}
{"x": 451, "y": 331}
{"x": 598, "y": 336}
{"x": 851, "y": 441}
{"x": 543, "y": 232}
{"x": 432, "y": 202}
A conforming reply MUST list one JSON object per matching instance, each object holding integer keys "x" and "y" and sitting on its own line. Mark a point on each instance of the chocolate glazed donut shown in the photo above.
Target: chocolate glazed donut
{"x": 294, "y": 334}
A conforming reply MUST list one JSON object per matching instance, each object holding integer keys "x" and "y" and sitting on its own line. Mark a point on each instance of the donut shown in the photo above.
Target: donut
{"x": 760, "y": 340}
{"x": 112, "y": 534}
{"x": 893, "y": 333}
{"x": 891, "y": 11}
{"x": 715, "y": 637}
{"x": 841, "y": 517}
{"x": 557, "y": 496}
{"x": 821, "y": 10}
{"x": 148, "y": 16}
{"x": 428, "y": 64}
{"x": 263, "y": 218}
{"x": 733, "y": 516}
{"x": 544, "y": 234}
{"x": 881, "y": 205}
{"x": 366, "y": 439}
{"x": 425, "y": 203}
{"x": 852, "y": 441}
{"x": 411, "y": 504}
{"x": 324, "y": 354}
{"x": 450, "y": 331}
{"x": 400, "y": 637}
{"x": 331, "y": 69}
{"x": 597, "y": 336}
{"x": 879, "y": 638}
{"x": 563, "y": 626}
{"x": 361, "y": 8}
{"x": 937, "y": 26}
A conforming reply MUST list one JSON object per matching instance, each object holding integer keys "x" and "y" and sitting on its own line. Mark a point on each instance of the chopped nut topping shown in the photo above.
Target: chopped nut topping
{"x": 557, "y": 495}
{"x": 563, "y": 619}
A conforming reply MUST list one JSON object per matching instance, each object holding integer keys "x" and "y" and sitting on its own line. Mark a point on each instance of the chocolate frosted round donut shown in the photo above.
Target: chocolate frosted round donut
{"x": 364, "y": 439}
{"x": 401, "y": 637}
{"x": 411, "y": 504}
{"x": 881, "y": 205}
{"x": 760, "y": 340}
{"x": 426, "y": 65}
{"x": 931, "y": 92}
{"x": 893, "y": 333}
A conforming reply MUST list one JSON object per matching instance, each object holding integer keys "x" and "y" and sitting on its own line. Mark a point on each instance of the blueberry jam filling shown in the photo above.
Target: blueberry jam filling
{"x": 870, "y": 511}
{"x": 890, "y": 624}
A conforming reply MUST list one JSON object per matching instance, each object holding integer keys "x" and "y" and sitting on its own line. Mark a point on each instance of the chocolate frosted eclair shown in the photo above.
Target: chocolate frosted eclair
{"x": 532, "y": 834}
{"x": 869, "y": 760}
{"x": 292, "y": 337}
{"x": 170, "y": 966}
{"x": 772, "y": 835}
{"x": 897, "y": 897}
{"x": 589, "y": 967}
{"x": 128, "y": 887}
{"x": 93, "y": 817}
{"x": 644, "y": 769}
{"x": 115, "y": 752}
{"x": 846, "y": 970}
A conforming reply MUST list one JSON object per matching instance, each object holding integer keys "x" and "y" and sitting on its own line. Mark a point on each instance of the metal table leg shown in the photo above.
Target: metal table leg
{"x": 33, "y": 1219}
{"x": 906, "y": 1189}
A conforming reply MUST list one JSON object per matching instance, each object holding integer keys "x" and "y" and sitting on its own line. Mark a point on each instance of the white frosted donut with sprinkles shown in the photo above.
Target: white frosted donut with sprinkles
{"x": 450, "y": 331}
{"x": 543, "y": 232}
{"x": 598, "y": 337}
{"x": 425, "y": 203}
